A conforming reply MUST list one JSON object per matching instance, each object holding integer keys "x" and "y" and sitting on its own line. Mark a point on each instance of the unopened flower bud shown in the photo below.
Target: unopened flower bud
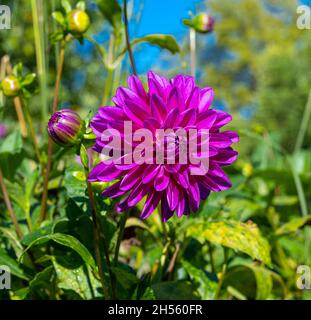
{"x": 78, "y": 21}
{"x": 202, "y": 23}
{"x": 10, "y": 86}
{"x": 66, "y": 128}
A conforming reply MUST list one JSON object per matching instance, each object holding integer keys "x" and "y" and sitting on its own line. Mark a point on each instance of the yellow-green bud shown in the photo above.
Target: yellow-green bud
{"x": 10, "y": 86}
{"x": 78, "y": 21}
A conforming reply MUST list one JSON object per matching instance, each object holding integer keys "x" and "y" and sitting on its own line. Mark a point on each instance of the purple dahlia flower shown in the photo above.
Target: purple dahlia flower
{"x": 65, "y": 127}
{"x": 174, "y": 104}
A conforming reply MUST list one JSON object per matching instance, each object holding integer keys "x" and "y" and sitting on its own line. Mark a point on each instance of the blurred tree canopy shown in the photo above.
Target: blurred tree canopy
{"x": 260, "y": 63}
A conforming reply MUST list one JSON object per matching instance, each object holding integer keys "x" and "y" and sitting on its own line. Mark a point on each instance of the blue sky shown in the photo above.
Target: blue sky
{"x": 161, "y": 16}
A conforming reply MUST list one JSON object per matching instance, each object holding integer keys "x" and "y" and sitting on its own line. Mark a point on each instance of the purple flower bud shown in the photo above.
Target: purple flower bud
{"x": 65, "y": 127}
{"x": 205, "y": 23}
{"x": 3, "y": 130}
{"x": 202, "y": 23}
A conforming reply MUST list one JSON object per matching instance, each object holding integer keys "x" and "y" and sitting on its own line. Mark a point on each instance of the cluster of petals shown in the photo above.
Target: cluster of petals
{"x": 168, "y": 104}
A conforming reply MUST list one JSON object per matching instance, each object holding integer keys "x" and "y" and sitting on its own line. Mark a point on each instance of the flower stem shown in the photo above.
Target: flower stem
{"x": 97, "y": 235}
{"x": 304, "y": 125}
{"x": 192, "y": 36}
{"x": 120, "y": 237}
{"x": 223, "y": 273}
{"x": 127, "y": 37}
{"x": 107, "y": 89}
{"x": 31, "y": 129}
{"x": 50, "y": 142}
{"x": 9, "y": 207}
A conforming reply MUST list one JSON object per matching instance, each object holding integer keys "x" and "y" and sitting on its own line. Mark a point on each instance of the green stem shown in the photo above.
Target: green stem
{"x": 192, "y": 36}
{"x": 127, "y": 37}
{"x": 304, "y": 125}
{"x": 210, "y": 252}
{"x": 32, "y": 132}
{"x": 223, "y": 273}
{"x": 120, "y": 237}
{"x": 38, "y": 27}
{"x": 108, "y": 84}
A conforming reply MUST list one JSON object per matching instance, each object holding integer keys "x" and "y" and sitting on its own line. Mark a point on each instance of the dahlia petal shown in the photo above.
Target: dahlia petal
{"x": 161, "y": 182}
{"x": 158, "y": 85}
{"x": 150, "y": 172}
{"x": 103, "y": 172}
{"x": 172, "y": 195}
{"x": 137, "y": 194}
{"x": 111, "y": 113}
{"x": 222, "y": 119}
{"x": 204, "y": 192}
{"x": 171, "y": 119}
{"x": 194, "y": 98}
{"x": 152, "y": 124}
{"x": 131, "y": 178}
{"x": 225, "y": 156}
{"x": 175, "y": 100}
{"x": 206, "y": 119}
{"x": 158, "y": 109}
{"x": 135, "y": 112}
{"x": 122, "y": 206}
{"x": 152, "y": 201}
{"x": 187, "y": 118}
{"x": 136, "y": 86}
{"x": 113, "y": 191}
{"x": 219, "y": 140}
{"x": 206, "y": 99}
{"x": 165, "y": 210}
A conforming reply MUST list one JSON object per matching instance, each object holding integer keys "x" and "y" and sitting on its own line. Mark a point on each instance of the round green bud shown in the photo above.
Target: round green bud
{"x": 10, "y": 86}
{"x": 78, "y": 21}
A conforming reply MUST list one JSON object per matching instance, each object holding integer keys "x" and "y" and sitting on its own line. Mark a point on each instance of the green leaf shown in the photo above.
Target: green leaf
{"x": 293, "y": 225}
{"x": 252, "y": 281}
{"x": 67, "y": 241}
{"x": 58, "y": 16}
{"x": 16, "y": 270}
{"x": 81, "y": 5}
{"x": 40, "y": 285}
{"x": 66, "y": 5}
{"x": 12, "y": 144}
{"x": 29, "y": 79}
{"x": 112, "y": 11}
{"x": 84, "y": 156}
{"x": 206, "y": 287}
{"x": 18, "y": 70}
{"x": 75, "y": 279}
{"x": 175, "y": 290}
{"x": 235, "y": 235}
{"x": 163, "y": 41}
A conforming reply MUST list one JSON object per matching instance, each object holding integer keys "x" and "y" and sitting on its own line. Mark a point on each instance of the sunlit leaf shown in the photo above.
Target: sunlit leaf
{"x": 235, "y": 235}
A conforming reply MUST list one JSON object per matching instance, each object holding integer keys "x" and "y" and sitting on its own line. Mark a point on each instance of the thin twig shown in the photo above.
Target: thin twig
{"x": 223, "y": 273}
{"x": 192, "y": 35}
{"x": 9, "y": 207}
{"x": 127, "y": 37}
{"x": 172, "y": 263}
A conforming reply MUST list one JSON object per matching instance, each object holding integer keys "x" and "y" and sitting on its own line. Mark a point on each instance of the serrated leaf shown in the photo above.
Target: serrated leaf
{"x": 235, "y": 235}
{"x": 207, "y": 287}
{"x": 163, "y": 41}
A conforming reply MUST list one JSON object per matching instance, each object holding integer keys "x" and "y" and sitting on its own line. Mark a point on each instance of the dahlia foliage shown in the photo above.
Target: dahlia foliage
{"x": 169, "y": 104}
